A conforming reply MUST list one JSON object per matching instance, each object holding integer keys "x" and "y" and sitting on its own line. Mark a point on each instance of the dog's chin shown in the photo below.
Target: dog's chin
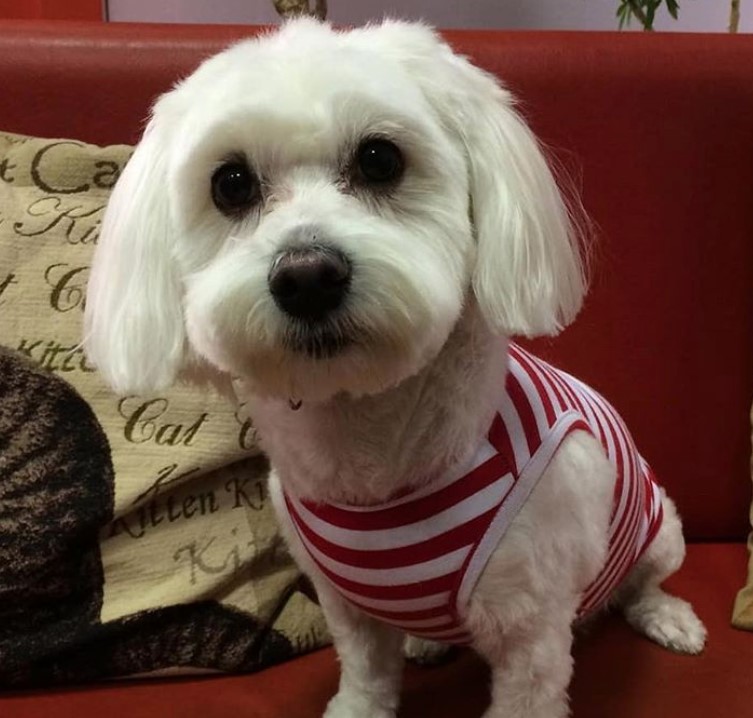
{"x": 318, "y": 367}
{"x": 314, "y": 362}
{"x": 318, "y": 344}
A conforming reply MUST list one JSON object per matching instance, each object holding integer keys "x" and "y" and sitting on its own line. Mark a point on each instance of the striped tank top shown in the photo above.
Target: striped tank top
{"x": 413, "y": 562}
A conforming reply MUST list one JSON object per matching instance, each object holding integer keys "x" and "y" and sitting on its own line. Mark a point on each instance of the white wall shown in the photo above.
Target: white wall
{"x": 695, "y": 15}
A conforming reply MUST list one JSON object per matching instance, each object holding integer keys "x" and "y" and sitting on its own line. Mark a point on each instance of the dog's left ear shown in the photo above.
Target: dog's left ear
{"x": 529, "y": 276}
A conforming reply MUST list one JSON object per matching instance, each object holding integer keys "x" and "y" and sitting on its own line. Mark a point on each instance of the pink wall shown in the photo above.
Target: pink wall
{"x": 695, "y": 15}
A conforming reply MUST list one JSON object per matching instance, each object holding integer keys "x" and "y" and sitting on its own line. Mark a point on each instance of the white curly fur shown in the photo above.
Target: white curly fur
{"x": 473, "y": 246}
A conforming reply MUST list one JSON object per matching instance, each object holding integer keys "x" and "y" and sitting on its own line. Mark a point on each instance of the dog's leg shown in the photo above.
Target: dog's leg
{"x": 663, "y": 618}
{"x": 532, "y": 666}
{"x": 371, "y": 662}
{"x": 526, "y": 600}
{"x": 370, "y": 653}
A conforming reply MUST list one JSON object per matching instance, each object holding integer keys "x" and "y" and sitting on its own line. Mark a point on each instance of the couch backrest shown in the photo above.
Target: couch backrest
{"x": 658, "y": 131}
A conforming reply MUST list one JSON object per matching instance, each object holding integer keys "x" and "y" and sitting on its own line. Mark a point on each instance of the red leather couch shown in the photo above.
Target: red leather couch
{"x": 658, "y": 132}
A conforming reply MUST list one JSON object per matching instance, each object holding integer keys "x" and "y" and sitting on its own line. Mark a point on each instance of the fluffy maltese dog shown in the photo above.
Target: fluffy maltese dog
{"x": 352, "y": 225}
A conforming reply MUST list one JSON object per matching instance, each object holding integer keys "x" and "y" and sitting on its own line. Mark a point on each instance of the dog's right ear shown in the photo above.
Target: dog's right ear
{"x": 133, "y": 323}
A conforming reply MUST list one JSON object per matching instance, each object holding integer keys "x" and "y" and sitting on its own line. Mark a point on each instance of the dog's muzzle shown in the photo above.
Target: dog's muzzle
{"x": 309, "y": 283}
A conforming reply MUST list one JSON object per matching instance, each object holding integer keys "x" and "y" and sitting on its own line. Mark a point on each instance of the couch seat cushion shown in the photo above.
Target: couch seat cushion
{"x": 618, "y": 673}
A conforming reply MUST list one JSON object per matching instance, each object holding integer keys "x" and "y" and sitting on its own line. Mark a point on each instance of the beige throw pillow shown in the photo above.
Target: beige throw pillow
{"x": 189, "y": 547}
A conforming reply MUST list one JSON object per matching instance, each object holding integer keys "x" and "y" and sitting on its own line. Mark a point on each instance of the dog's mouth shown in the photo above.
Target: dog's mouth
{"x": 317, "y": 342}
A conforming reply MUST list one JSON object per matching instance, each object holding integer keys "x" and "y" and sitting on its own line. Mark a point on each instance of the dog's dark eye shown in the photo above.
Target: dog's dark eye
{"x": 380, "y": 161}
{"x": 235, "y": 188}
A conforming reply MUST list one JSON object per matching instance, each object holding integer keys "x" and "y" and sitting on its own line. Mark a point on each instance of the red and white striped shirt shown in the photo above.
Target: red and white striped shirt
{"x": 414, "y": 561}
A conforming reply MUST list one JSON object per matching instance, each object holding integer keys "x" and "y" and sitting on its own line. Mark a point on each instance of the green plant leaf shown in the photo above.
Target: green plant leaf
{"x": 629, "y": 12}
{"x": 644, "y": 11}
{"x": 650, "y": 13}
{"x": 623, "y": 14}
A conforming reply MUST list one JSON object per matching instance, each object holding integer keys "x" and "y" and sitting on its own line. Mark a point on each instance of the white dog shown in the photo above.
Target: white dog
{"x": 353, "y": 224}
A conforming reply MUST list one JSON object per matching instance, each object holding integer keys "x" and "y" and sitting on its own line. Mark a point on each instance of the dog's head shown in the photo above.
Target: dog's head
{"x": 311, "y": 209}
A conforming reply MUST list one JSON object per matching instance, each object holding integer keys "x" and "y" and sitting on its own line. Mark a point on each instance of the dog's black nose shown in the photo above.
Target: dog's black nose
{"x": 309, "y": 283}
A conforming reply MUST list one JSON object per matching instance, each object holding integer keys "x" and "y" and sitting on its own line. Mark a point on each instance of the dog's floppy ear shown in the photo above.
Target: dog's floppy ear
{"x": 528, "y": 277}
{"x": 134, "y": 331}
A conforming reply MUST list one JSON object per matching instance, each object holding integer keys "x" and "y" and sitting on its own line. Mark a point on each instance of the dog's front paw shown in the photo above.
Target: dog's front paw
{"x": 347, "y": 704}
{"x": 424, "y": 652}
{"x": 669, "y": 621}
